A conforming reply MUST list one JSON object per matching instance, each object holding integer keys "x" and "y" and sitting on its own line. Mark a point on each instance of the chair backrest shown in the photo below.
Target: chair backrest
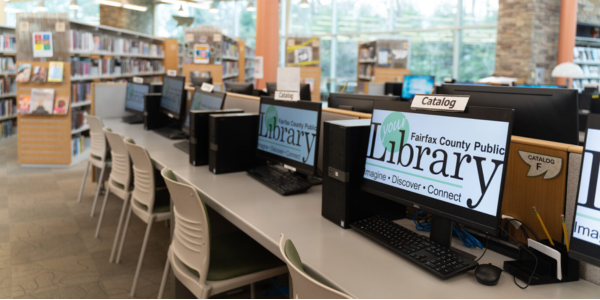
{"x": 143, "y": 175}
{"x": 121, "y": 165}
{"x": 304, "y": 286}
{"x": 191, "y": 235}
{"x": 248, "y": 105}
{"x": 97, "y": 136}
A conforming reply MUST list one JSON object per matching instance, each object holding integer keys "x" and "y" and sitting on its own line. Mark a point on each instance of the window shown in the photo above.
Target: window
{"x": 89, "y": 11}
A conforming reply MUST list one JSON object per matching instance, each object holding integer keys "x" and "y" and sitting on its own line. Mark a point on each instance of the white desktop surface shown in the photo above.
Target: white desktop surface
{"x": 343, "y": 258}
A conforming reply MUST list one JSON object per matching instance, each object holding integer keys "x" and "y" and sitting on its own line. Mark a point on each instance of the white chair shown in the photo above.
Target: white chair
{"x": 303, "y": 286}
{"x": 98, "y": 156}
{"x": 149, "y": 202}
{"x": 208, "y": 265}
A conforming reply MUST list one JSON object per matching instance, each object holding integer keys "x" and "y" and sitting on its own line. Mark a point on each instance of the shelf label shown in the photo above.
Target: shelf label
{"x": 60, "y": 27}
{"x": 541, "y": 164}
{"x": 207, "y": 87}
{"x": 287, "y": 95}
{"x": 258, "y": 67}
{"x": 172, "y": 72}
{"x": 138, "y": 80}
{"x": 451, "y": 103}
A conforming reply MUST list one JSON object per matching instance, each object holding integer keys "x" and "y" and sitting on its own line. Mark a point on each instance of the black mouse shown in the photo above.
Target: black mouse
{"x": 488, "y": 274}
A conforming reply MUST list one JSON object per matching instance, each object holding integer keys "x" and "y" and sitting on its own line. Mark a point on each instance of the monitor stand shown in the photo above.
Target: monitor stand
{"x": 172, "y": 131}
{"x": 313, "y": 180}
{"x": 441, "y": 233}
{"x": 133, "y": 119}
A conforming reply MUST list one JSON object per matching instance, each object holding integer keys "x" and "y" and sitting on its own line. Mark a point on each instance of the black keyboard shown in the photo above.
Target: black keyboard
{"x": 417, "y": 248}
{"x": 283, "y": 182}
{"x": 183, "y": 146}
{"x": 170, "y": 133}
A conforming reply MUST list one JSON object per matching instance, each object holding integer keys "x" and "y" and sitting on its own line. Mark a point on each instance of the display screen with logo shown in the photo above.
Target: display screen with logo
{"x": 585, "y": 239}
{"x": 288, "y": 132}
{"x": 448, "y": 164}
{"x": 416, "y": 84}
{"x": 204, "y": 101}
{"x": 173, "y": 92}
{"x": 134, "y": 97}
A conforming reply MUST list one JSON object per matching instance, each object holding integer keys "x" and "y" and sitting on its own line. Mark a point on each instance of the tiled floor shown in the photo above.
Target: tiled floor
{"x": 47, "y": 244}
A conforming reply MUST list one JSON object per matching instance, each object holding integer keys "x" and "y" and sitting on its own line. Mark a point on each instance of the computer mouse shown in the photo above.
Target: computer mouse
{"x": 488, "y": 274}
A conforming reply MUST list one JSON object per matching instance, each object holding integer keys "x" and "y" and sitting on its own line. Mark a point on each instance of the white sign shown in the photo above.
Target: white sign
{"x": 24, "y": 26}
{"x": 258, "y": 67}
{"x": 172, "y": 72}
{"x": 217, "y": 37}
{"x": 42, "y": 44}
{"x": 541, "y": 164}
{"x": 287, "y": 95}
{"x": 60, "y": 27}
{"x": 189, "y": 37}
{"x": 288, "y": 79}
{"x": 138, "y": 80}
{"x": 453, "y": 103}
{"x": 207, "y": 87}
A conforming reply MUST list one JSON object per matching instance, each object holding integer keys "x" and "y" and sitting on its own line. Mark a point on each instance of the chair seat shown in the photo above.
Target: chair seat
{"x": 162, "y": 202}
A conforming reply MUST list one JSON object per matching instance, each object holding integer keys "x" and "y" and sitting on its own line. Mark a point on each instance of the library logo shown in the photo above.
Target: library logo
{"x": 271, "y": 117}
{"x": 393, "y": 128}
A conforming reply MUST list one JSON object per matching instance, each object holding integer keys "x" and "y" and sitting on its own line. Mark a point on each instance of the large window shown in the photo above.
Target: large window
{"x": 88, "y": 12}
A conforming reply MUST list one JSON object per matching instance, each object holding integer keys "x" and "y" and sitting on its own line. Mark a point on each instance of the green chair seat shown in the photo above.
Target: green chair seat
{"x": 162, "y": 202}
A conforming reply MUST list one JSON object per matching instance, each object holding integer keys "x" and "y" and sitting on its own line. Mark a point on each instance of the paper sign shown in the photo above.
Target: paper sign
{"x": 258, "y": 67}
{"x": 289, "y": 96}
{"x": 315, "y": 43}
{"x": 453, "y": 103}
{"x": 291, "y": 42}
{"x": 207, "y": 87}
{"x": 201, "y": 54}
{"x": 541, "y": 164}
{"x": 189, "y": 37}
{"x": 42, "y": 44}
{"x": 382, "y": 57}
{"x": 60, "y": 27}
{"x": 288, "y": 79}
{"x": 138, "y": 80}
{"x": 217, "y": 37}
{"x": 24, "y": 26}
{"x": 172, "y": 72}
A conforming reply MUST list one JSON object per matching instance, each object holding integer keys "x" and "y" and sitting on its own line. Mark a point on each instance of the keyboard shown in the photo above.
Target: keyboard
{"x": 283, "y": 182}
{"x": 417, "y": 248}
{"x": 170, "y": 133}
{"x": 183, "y": 146}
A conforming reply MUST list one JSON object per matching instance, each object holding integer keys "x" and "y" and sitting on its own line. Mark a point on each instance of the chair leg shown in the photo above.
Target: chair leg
{"x": 100, "y": 181}
{"x": 117, "y": 234}
{"x": 142, "y": 254}
{"x": 291, "y": 286}
{"x": 85, "y": 174}
{"x": 102, "y": 210}
{"x": 163, "y": 282}
{"x": 124, "y": 232}
{"x": 252, "y": 291}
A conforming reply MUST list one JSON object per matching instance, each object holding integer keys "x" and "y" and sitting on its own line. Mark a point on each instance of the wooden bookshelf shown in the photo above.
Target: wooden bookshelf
{"x": 303, "y": 52}
{"x": 374, "y": 68}
{"x": 245, "y": 63}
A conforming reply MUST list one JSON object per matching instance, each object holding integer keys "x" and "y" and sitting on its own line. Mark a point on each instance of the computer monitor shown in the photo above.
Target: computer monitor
{"x": 134, "y": 97}
{"x": 239, "y": 88}
{"x": 156, "y": 87}
{"x": 393, "y": 89}
{"x": 202, "y": 100}
{"x": 304, "y": 90}
{"x": 416, "y": 84}
{"x": 198, "y": 81}
{"x": 455, "y": 171}
{"x": 584, "y": 241}
{"x": 288, "y": 133}
{"x": 173, "y": 97}
{"x": 545, "y": 114}
{"x": 357, "y": 102}
{"x": 541, "y": 86}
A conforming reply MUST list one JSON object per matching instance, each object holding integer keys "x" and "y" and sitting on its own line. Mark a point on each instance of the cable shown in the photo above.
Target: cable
{"x": 536, "y": 261}
{"x": 420, "y": 225}
{"x": 466, "y": 238}
{"x": 487, "y": 241}
{"x": 524, "y": 225}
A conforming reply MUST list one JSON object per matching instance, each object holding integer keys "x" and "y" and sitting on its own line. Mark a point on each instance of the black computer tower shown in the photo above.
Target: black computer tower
{"x": 199, "y": 134}
{"x": 233, "y": 141}
{"x": 344, "y": 157}
{"x": 153, "y": 118}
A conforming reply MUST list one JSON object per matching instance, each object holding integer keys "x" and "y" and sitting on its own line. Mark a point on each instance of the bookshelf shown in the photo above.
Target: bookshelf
{"x": 8, "y": 105}
{"x": 246, "y": 63}
{"x": 303, "y": 52}
{"x": 382, "y": 61}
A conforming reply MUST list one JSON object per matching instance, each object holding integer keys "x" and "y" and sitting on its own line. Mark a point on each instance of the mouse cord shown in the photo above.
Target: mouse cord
{"x": 534, "y": 268}
{"x": 487, "y": 240}
{"x": 524, "y": 225}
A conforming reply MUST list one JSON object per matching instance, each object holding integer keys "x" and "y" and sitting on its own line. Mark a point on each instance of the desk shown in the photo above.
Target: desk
{"x": 343, "y": 258}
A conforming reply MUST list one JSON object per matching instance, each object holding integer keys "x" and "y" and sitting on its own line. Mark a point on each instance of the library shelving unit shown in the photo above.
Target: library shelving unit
{"x": 303, "y": 52}
{"x": 246, "y": 63}
{"x": 222, "y": 63}
{"x": 172, "y": 60}
{"x": 587, "y": 54}
{"x": 8, "y": 105}
{"x": 382, "y": 61}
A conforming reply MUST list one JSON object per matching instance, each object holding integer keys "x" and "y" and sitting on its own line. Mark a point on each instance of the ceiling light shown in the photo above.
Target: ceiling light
{"x": 73, "y": 5}
{"x": 180, "y": 8}
{"x": 213, "y": 7}
{"x": 12, "y": 10}
{"x": 201, "y": 5}
{"x": 40, "y": 7}
{"x": 111, "y": 3}
{"x": 135, "y": 7}
{"x": 250, "y": 6}
{"x": 304, "y": 4}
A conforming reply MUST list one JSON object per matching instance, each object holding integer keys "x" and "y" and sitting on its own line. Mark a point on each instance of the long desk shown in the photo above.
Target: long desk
{"x": 342, "y": 258}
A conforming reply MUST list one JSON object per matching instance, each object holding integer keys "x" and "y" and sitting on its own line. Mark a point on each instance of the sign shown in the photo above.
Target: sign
{"x": 258, "y": 67}
{"x": 452, "y": 103}
{"x": 138, "y": 80}
{"x": 60, "y": 27}
{"x": 288, "y": 79}
{"x": 217, "y": 37}
{"x": 189, "y": 37}
{"x": 201, "y": 54}
{"x": 24, "y": 26}
{"x": 288, "y": 96}
{"x": 541, "y": 164}
{"x": 42, "y": 44}
{"x": 172, "y": 72}
{"x": 207, "y": 87}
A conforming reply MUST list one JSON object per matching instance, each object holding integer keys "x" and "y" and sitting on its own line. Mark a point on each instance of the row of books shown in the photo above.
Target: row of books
{"x": 41, "y": 74}
{"x": 79, "y": 144}
{"x": 590, "y": 70}
{"x": 7, "y": 85}
{"x": 43, "y": 102}
{"x": 7, "y": 108}
{"x": 586, "y": 54}
{"x": 365, "y": 70}
{"x": 230, "y": 68}
{"x": 250, "y": 53}
{"x": 228, "y": 49}
{"x": 7, "y": 65}
{"x": 78, "y": 118}
{"x": 8, "y": 43}
{"x": 88, "y": 67}
{"x": 81, "y": 92}
{"x": 82, "y": 41}
{"x": 7, "y": 129}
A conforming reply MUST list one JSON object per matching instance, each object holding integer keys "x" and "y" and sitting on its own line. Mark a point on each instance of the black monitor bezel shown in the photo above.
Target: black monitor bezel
{"x": 186, "y": 129}
{"x": 249, "y": 87}
{"x": 306, "y": 105}
{"x": 209, "y": 80}
{"x": 447, "y": 210}
{"x": 360, "y": 97}
{"x": 131, "y": 110}
{"x": 413, "y": 75}
{"x": 183, "y": 105}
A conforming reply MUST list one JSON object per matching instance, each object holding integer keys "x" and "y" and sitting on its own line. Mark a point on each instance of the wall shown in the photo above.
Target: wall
{"x": 588, "y": 11}
{"x": 129, "y": 19}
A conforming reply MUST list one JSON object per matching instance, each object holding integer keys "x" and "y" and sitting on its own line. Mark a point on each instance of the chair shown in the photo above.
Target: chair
{"x": 119, "y": 182}
{"x": 303, "y": 286}
{"x": 99, "y": 157}
{"x": 208, "y": 265}
{"x": 149, "y": 201}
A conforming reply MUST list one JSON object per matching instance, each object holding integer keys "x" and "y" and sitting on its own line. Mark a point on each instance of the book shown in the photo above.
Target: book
{"x": 39, "y": 74}
{"x": 24, "y": 101}
{"x": 61, "y": 105}
{"x": 55, "y": 73}
{"x": 24, "y": 73}
{"x": 42, "y": 101}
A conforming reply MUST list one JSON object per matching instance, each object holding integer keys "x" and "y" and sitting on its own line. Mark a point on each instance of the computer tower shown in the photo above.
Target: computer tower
{"x": 153, "y": 118}
{"x": 199, "y": 134}
{"x": 344, "y": 157}
{"x": 233, "y": 142}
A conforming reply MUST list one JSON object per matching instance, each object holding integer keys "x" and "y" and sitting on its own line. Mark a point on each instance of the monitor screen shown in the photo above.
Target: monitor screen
{"x": 289, "y": 133}
{"x": 204, "y": 101}
{"x": 134, "y": 97}
{"x": 416, "y": 84}
{"x": 455, "y": 171}
{"x": 173, "y": 93}
{"x": 541, "y": 86}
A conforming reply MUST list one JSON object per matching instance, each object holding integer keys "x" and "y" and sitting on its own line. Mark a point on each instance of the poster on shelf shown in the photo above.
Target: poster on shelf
{"x": 258, "y": 67}
{"x": 42, "y": 44}
{"x": 201, "y": 54}
{"x": 302, "y": 55}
